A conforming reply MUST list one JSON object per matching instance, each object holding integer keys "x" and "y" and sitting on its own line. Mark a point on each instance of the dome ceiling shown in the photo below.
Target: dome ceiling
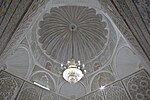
{"x": 43, "y": 37}
{"x": 89, "y": 33}
{"x": 94, "y": 38}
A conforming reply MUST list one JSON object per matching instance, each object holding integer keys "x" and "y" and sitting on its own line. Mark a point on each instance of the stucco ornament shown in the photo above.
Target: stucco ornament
{"x": 89, "y": 31}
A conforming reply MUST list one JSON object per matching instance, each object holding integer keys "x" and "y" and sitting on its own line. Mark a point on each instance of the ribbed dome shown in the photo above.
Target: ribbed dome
{"x": 89, "y": 33}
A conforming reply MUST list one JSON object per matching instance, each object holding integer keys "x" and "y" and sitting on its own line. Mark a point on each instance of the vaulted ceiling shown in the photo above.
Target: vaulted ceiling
{"x": 111, "y": 37}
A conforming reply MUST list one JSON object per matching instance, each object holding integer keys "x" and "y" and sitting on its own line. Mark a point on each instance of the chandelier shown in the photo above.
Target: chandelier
{"x": 73, "y": 71}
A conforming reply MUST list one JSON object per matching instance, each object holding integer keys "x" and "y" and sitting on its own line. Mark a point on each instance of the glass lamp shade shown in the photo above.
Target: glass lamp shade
{"x": 72, "y": 75}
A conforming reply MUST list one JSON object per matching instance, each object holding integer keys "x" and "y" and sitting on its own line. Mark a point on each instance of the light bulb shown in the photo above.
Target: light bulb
{"x": 85, "y": 71}
{"x": 79, "y": 62}
{"x": 83, "y": 66}
{"x": 68, "y": 62}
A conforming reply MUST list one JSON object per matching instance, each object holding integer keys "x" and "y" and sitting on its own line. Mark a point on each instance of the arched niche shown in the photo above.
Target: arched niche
{"x": 72, "y": 91}
{"x": 18, "y": 63}
{"x": 126, "y": 62}
{"x": 102, "y": 79}
{"x": 44, "y": 79}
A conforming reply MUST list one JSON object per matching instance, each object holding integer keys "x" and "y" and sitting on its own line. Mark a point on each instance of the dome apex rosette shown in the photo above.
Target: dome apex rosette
{"x": 89, "y": 33}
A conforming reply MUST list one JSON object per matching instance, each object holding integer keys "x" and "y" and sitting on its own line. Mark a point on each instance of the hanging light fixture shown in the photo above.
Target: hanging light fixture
{"x": 73, "y": 71}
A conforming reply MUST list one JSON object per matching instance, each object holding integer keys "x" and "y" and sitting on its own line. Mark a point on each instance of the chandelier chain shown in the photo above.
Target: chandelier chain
{"x": 72, "y": 40}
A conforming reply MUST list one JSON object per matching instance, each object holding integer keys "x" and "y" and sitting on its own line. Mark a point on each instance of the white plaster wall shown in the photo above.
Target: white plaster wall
{"x": 126, "y": 62}
{"x": 18, "y": 63}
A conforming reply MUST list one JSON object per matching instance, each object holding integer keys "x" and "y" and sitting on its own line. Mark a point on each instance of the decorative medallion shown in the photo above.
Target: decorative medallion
{"x": 139, "y": 88}
{"x": 89, "y": 31}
